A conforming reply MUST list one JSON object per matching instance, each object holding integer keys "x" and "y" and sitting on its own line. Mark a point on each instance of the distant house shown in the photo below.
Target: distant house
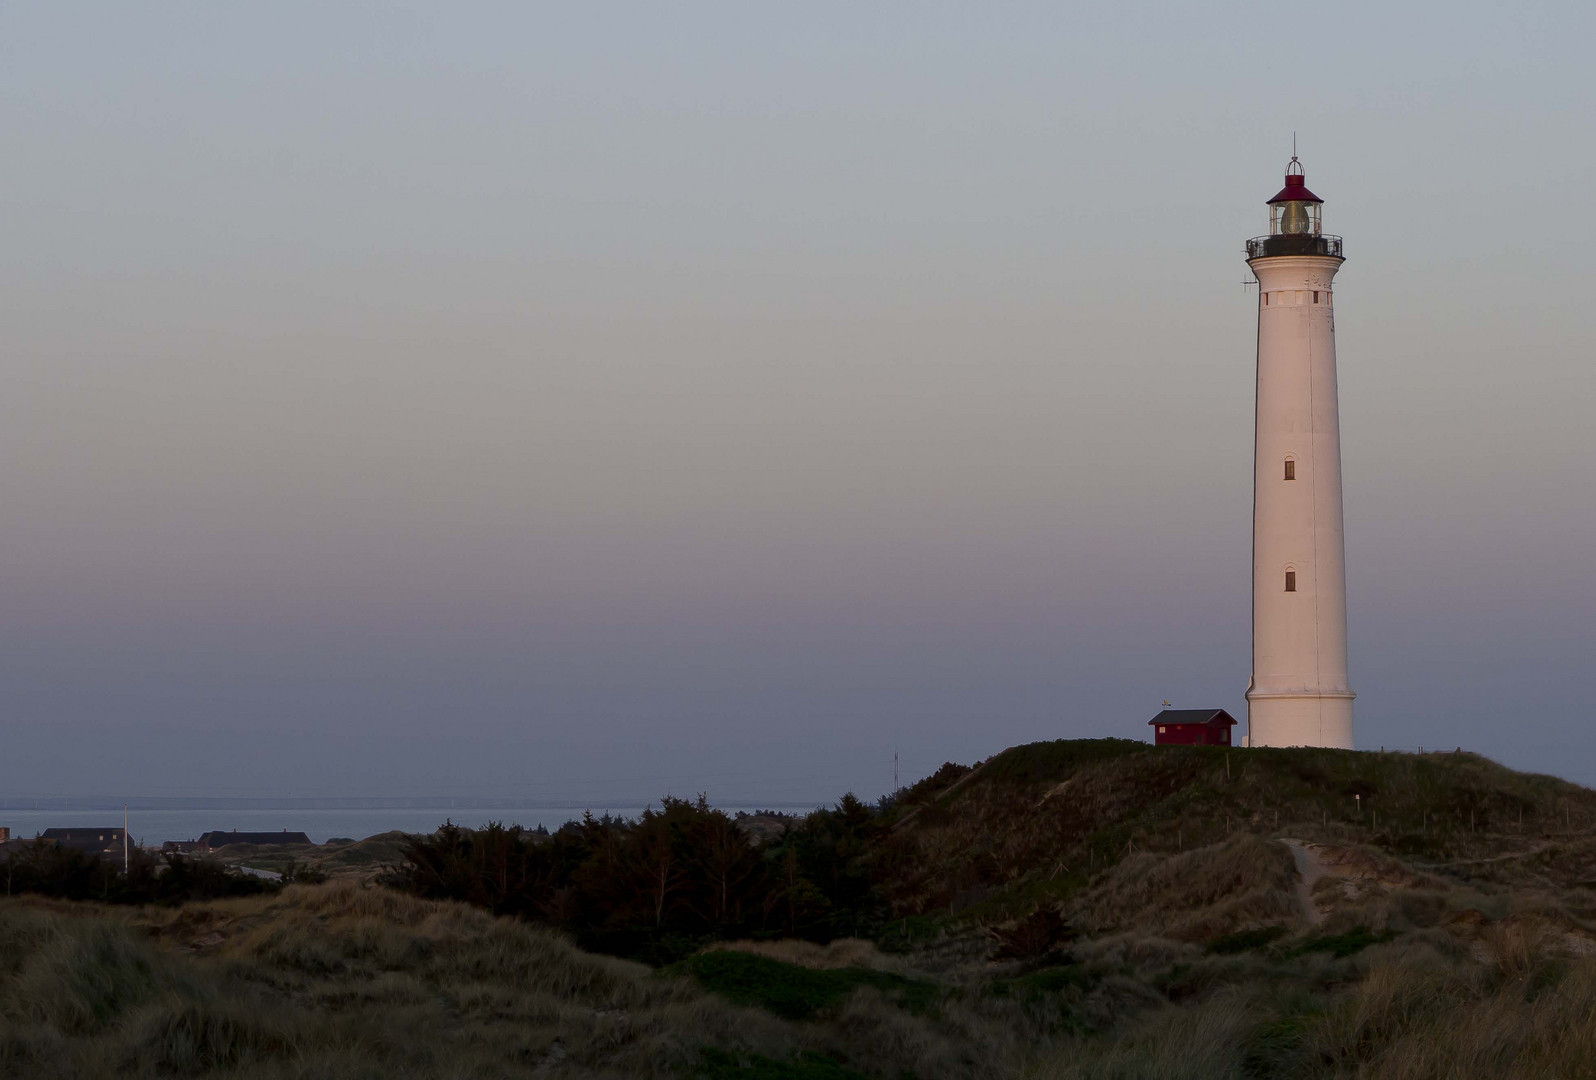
{"x": 1192, "y": 727}
{"x": 218, "y": 839}
{"x": 106, "y": 841}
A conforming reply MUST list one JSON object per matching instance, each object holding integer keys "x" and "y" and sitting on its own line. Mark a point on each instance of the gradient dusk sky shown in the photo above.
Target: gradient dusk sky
{"x": 595, "y": 400}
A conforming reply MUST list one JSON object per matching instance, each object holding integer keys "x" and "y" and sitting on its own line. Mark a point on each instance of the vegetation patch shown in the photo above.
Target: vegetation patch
{"x": 1053, "y": 980}
{"x": 719, "y": 1065}
{"x": 675, "y": 879}
{"x": 1047, "y": 762}
{"x": 1242, "y": 940}
{"x": 798, "y": 993}
{"x": 47, "y": 869}
{"x": 1193, "y": 895}
{"x": 1343, "y": 945}
{"x": 906, "y": 934}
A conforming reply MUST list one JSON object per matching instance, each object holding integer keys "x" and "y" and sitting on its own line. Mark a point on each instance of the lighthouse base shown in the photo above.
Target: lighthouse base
{"x": 1300, "y": 719}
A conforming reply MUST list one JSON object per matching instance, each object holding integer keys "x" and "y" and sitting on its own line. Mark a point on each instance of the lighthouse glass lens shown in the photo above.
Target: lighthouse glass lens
{"x": 1295, "y": 221}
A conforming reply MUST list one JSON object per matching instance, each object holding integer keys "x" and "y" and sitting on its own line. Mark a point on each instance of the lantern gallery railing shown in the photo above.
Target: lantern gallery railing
{"x": 1294, "y": 244}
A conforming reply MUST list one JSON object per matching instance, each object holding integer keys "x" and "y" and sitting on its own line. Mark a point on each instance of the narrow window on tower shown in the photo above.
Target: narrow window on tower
{"x": 1316, "y": 296}
{"x": 1291, "y": 468}
{"x": 1291, "y": 581}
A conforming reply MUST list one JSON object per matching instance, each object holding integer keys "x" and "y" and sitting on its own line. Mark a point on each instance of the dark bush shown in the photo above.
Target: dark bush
{"x": 65, "y": 873}
{"x": 659, "y": 887}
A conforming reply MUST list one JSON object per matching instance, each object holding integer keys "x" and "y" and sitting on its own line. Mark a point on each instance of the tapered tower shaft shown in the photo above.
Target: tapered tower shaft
{"x": 1299, "y": 694}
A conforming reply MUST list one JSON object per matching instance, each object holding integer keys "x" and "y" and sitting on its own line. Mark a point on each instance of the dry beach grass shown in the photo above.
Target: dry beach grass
{"x": 344, "y": 980}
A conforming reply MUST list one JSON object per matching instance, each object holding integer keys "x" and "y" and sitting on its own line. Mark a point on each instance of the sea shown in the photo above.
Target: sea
{"x": 152, "y": 822}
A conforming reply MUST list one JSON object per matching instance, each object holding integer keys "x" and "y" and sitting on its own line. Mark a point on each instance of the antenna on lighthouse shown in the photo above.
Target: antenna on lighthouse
{"x": 1294, "y": 166}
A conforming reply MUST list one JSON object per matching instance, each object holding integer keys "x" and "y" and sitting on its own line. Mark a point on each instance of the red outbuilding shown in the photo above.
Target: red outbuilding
{"x": 1192, "y": 727}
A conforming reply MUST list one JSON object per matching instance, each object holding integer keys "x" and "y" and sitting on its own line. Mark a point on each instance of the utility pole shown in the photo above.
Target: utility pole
{"x": 124, "y": 840}
{"x": 895, "y": 788}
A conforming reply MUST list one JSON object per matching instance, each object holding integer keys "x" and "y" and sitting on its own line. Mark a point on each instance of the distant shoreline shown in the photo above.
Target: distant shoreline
{"x": 152, "y": 826}
{"x": 354, "y": 802}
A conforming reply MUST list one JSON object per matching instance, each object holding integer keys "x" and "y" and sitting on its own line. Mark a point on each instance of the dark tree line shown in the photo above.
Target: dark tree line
{"x": 656, "y": 887}
{"x": 66, "y": 873}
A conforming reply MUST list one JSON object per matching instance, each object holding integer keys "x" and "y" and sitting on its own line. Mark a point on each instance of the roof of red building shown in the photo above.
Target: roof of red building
{"x": 1193, "y": 716}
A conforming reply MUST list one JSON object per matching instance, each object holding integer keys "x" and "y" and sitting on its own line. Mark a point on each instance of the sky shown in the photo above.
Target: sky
{"x": 600, "y": 401}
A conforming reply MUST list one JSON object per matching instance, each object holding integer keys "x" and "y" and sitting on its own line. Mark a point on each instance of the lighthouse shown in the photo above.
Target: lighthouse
{"x": 1299, "y": 694}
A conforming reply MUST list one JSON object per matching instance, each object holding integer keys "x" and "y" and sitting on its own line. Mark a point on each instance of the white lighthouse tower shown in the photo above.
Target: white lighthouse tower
{"x": 1299, "y": 694}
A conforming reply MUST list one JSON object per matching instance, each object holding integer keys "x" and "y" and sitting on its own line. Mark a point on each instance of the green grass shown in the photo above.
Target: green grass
{"x": 1053, "y": 980}
{"x": 1039, "y": 984}
{"x": 719, "y": 1065}
{"x": 1413, "y": 794}
{"x": 1242, "y": 940}
{"x": 910, "y": 932}
{"x": 1343, "y": 945}
{"x": 1035, "y": 825}
{"x": 799, "y": 993}
{"x": 1050, "y": 762}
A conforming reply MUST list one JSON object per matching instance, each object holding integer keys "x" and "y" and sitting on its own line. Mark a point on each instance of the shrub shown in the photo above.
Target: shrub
{"x": 47, "y": 869}
{"x": 658, "y": 888}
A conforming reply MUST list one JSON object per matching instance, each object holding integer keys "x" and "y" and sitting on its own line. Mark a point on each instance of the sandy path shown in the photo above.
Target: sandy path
{"x": 1310, "y": 868}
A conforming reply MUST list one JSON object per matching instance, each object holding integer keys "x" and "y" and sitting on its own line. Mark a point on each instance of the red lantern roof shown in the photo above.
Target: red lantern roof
{"x": 1295, "y": 191}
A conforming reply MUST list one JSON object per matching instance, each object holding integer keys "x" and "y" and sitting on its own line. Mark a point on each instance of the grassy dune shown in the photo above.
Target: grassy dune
{"x": 1037, "y": 824}
{"x": 343, "y": 980}
{"x": 1075, "y": 910}
{"x": 363, "y": 858}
